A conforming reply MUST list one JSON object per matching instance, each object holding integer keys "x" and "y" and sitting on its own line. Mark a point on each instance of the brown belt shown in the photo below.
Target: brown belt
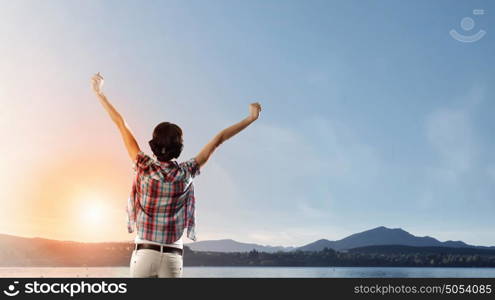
{"x": 164, "y": 249}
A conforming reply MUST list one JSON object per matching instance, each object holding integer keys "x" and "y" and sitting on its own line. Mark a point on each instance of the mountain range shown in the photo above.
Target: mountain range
{"x": 373, "y": 237}
{"x": 38, "y": 252}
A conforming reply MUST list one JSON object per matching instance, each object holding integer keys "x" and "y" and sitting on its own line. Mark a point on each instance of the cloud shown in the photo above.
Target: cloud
{"x": 344, "y": 154}
{"x": 458, "y": 175}
{"x": 307, "y": 210}
{"x": 259, "y": 182}
{"x": 282, "y": 174}
{"x": 451, "y": 134}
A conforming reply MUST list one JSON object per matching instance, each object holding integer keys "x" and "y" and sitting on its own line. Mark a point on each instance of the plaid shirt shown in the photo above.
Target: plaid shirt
{"x": 162, "y": 201}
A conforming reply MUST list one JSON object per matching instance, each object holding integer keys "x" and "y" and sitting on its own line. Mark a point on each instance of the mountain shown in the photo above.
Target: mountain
{"x": 229, "y": 245}
{"x": 399, "y": 249}
{"x": 382, "y": 236}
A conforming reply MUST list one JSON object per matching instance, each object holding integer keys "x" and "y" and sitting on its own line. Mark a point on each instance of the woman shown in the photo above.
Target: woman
{"x": 162, "y": 203}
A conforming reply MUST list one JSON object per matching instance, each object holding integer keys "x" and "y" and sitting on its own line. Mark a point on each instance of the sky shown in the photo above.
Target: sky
{"x": 373, "y": 115}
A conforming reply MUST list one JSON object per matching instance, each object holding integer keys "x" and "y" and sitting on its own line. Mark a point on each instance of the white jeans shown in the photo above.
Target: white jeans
{"x": 151, "y": 263}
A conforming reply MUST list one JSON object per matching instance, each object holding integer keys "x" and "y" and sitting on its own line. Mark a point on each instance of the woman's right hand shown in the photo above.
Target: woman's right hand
{"x": 97, "y": 83}
{"x": 254, "y": 111}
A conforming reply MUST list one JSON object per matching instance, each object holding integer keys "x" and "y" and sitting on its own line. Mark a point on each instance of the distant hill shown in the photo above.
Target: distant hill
{"x": 229, "y": 245}
{"x": 399, "y": 249}
{"x": 30, "y": 252}
{"x": 376, "y": 236}
{"x": 382, "y": 236}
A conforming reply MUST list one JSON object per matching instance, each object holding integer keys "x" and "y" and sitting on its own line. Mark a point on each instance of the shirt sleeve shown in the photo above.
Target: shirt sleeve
{"x": 131, "y": 215}
{"x": 142, "y": 161}
{"x": 190, "y": 167}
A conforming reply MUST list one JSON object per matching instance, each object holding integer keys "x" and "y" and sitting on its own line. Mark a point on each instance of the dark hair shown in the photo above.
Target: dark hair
{"x": 167, "y": 141}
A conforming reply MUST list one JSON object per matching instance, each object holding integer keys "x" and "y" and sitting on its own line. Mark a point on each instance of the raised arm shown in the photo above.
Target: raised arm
{"x": 227, "y": 133}
{"x": 129, "y": 140}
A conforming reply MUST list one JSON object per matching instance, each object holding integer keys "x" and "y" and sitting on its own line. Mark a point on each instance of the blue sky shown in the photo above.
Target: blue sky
{"x": 372, "y": 113}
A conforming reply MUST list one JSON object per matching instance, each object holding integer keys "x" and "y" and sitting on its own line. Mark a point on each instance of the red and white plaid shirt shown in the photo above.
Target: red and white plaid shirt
{"x": 162, "y": 204}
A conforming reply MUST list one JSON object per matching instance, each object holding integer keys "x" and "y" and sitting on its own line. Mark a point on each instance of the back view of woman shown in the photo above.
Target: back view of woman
{"x": 162, "y": 204}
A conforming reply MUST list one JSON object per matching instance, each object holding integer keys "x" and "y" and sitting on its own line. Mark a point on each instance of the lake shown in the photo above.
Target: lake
{"x": 294, "y": 272}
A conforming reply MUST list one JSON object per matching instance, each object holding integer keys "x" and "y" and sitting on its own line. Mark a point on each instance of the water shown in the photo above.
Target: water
{"x": 294, "y": 272}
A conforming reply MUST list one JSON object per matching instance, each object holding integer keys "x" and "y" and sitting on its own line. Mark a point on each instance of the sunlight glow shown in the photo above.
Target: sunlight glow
{"x": 93, "y": 214}
{"x": 92, "y": 210}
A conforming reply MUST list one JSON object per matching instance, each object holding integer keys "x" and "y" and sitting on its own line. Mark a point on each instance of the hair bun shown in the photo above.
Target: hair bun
{"x": 163, "y": 153}
{"x": 167, "y": 141}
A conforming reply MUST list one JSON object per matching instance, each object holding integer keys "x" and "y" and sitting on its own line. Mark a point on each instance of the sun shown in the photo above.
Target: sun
{"x": 91, "y": 210}
{"x": 93, "y": 213}
{"x": 93, "y": 217}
